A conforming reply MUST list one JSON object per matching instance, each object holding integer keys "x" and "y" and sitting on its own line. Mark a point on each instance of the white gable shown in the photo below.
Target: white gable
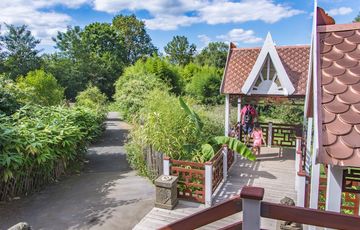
{"x": 273, "y": 83}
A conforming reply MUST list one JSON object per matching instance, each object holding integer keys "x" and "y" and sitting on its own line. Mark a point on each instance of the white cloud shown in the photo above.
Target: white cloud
{"x": 247, "y": 10}
{"x": 185, "y": 12}
{"x": 204, "y": 39}
{"x": 240, "y": 35}
{"x": 340, "y": 11}
{"x": 43, "y": 24}
{"x": 169, "y": 22}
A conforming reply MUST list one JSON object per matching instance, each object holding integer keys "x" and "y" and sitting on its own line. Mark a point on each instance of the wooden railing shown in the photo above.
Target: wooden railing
{"x": 278, "y": 135}
{"x": 191, "y": 179}
{"x": 253, "y": 208}
{"x": 350, "y": 201}
{"x": 218, "y": 172}
{"x": 192, "y": 176}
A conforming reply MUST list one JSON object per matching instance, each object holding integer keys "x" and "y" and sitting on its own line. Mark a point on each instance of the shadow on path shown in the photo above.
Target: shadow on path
{"x": 106, "y": 195}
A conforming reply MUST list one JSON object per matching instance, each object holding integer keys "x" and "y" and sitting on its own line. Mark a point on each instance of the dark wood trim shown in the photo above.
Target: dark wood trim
{"x": 207, "y": 216}
{"x": 253, "y": 193}
{"x": 234, "y": 226}
{"x": 310, "y": 216}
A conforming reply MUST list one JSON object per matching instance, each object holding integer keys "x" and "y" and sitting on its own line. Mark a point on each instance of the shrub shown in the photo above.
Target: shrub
{"x": 131, "y": 92}
{"x": 40, "y": 88}
{"x": 8, "y": 96}
{"x": 205, "y": 86}
{"x": 34, "y": 138}
{"x": 92, "y": 98}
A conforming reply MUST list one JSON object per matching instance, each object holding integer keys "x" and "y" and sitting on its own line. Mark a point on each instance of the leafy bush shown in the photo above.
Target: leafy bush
{"x": 40, "y": 88}
{"x": 205, "y": 86}
{"x": 8, "y": 96}
{"x": 35, "y": 138}
{"x": 91, "y": 98}
{"x": 131, "y": 92}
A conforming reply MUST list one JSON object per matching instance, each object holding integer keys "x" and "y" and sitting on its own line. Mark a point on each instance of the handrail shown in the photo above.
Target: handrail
{"x": 207, "y": 216}
{"x": 309, "y": 216}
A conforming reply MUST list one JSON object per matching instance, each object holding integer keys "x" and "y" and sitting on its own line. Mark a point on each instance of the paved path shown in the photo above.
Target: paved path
{"x": 107, "y": 195}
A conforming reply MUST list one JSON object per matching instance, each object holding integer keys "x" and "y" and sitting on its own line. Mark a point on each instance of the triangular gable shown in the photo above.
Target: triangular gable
{"x": 268, "y": 51}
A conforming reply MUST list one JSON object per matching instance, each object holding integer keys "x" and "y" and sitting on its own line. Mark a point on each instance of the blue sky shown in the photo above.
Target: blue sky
{"x": 245, "y": 22}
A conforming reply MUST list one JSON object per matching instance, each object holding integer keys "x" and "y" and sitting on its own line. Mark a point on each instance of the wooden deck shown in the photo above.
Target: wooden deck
{"x": 276, "y": 175}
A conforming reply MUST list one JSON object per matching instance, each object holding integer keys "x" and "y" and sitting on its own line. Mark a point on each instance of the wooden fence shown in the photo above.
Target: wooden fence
{"x": 29, "y": 181}
{"x": 154, "y": 162}
{"x": 250, "y": 203}
{"x": 192, "y": 175}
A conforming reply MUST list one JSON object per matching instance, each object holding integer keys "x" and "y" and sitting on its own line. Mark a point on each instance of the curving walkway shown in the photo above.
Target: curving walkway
{"x": 106, "y": 195}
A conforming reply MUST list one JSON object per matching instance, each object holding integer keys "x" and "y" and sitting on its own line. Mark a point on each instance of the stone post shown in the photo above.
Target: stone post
{"x": 166, "y": 192}
{"x": 252, "y": 197}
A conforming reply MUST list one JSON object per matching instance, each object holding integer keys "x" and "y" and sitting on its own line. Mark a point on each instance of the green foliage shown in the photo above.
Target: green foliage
{"x": 164, "y": 71}
{"x": 136, "y": 40}
{"x": 205, "y": 85}
{"x": 132, "y": 90}
{"x": 93, "y": 55}
{"x": 236, "y": 146}
{"x": 91, "y": 98}
{"x": 290, "y": 114}
{"x": 40, "y": 88}
{"x": 180, "y": 51}
{"x": 189, "y": 71}
{"x": 357, "y": 18}
{"x": 20, "y": 55}
{"x": 35, "y": 138}
{"x": 214, "y": 54}
{"x": 8, "y": 96}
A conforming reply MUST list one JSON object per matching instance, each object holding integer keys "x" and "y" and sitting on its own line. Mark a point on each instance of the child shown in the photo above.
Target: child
{"x": 257, "y": 136}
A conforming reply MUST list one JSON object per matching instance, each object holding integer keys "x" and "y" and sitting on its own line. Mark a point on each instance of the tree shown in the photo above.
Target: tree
{"x": 21, "y": 55}
{"x": 213, "y": 55}
{"x": 40, "y": 88}
{"x": 96, "y": 55}
{"x": 180, "y": 51}
{"x": 357, "y": 18}
{"x": 137, "y": 42}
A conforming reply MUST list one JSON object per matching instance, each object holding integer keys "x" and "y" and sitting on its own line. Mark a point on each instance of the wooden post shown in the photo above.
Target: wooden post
{"x": 166, "y": 168}
{"x": 308, "y": 144}
{"x": 208, "y": 183}
{"x": 269, "y": 140}
{"x": 315, "y": 176}
{"x": 252, "y": 197}
{"x": 301, "y": 193}
{"x": 334, "y": 188}
{"x": 227, "y": 114}
{"x": 225, "y": 163}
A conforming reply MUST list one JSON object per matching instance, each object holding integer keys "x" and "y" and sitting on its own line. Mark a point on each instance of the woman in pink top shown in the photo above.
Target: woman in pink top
{"x": 257, "y": 136}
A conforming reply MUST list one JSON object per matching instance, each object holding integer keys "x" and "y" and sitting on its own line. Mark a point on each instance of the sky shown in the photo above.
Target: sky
{"x": 245, "y": 22}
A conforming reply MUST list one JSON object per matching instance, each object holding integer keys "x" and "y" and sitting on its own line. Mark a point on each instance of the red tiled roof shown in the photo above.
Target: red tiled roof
{"x": 295, "y": 60}
{"x": 340, "y": 94}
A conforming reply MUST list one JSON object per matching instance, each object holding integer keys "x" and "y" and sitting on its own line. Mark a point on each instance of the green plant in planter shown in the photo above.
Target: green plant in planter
{"x": 208, "y": 150}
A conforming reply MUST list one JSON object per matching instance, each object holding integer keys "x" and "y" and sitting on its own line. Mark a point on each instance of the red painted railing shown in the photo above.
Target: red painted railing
{"x": 218, "y": 172}
{"x": 191, "y": 175}
{"x": 267, "y": 210}
{"x": 191, "y": 179}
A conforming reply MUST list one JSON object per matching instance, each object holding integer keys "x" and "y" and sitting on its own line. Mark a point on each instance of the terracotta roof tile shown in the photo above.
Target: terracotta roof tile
{"x": 295, "y": 60}
{"x": 340, "y": 95}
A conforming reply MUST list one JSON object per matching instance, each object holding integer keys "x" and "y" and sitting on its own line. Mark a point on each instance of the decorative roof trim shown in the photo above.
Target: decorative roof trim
{"x": 268, "y": 49}
{"x": 231, "y": 46}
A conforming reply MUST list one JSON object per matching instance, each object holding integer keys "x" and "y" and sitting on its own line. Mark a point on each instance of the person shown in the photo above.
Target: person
{"x": 258, "y": 139}
{"x": 248, "y": 115}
